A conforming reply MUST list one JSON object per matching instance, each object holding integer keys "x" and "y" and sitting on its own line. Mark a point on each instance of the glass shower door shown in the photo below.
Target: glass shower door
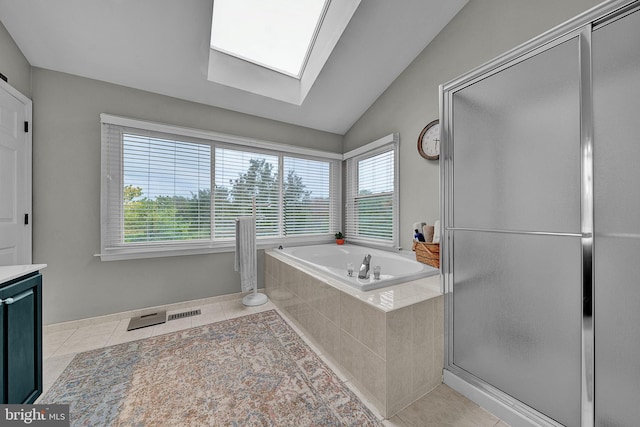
{"x": 516, "y": 231}
{"x": 616, "y": 94}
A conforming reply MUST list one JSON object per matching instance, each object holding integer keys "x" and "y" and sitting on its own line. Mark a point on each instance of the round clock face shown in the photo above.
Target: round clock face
{"x": 429, "y": 141}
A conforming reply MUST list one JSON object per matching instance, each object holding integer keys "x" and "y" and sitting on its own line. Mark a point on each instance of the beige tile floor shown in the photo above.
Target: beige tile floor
{"x": 442, "y": 407}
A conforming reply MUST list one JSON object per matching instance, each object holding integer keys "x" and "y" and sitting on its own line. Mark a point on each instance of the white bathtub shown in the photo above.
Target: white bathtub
{"x": 396, "y": 267}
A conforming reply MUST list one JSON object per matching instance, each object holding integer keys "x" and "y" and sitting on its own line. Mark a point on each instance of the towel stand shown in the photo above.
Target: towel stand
{"x": 254, "y": 298}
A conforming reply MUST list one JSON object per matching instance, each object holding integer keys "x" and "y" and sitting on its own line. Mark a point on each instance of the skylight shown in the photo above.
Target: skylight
{"x": 277, "y": 34}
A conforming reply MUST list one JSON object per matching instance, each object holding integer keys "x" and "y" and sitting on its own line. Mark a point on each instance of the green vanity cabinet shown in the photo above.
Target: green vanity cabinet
{"x": 21, "y": 343}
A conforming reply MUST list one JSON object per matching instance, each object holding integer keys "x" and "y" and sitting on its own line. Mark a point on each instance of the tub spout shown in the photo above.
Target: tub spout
{"x": 364, "y": 268}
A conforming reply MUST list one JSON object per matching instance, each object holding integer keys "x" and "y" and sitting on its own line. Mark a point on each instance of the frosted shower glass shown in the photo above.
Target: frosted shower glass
{"x": 516, "y": 145}
{"x": 616, "y": 92}
{"x": 517, "y": 317}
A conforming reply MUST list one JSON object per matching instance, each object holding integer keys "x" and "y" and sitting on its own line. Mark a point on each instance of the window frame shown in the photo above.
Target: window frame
{"x": 382, "y": 145}
{"x": 111, "y": 191}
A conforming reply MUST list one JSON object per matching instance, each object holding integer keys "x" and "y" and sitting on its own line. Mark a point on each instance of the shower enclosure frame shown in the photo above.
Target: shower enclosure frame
{"x": 580, "y": 27}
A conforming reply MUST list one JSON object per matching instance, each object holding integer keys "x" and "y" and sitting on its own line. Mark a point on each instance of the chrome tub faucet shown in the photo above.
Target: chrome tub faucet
{"x": 364, "y": 268}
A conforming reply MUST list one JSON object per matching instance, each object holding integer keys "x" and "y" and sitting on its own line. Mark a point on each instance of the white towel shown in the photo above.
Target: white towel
{"x": 246, "y": 259}
{"x": 427, "y": 232}
{"x": 436, "y": 232}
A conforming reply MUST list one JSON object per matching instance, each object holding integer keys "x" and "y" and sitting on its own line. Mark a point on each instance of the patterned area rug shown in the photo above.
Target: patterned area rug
{"x": 250, "y": 371}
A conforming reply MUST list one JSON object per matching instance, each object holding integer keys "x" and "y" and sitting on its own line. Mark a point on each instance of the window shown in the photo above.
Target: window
{"x": 170, "y": 191}
{"x": 166, "y": 189}
{"x": 306, "y": 201}
{"x": 372, "y": 193}
{"x": 239, "y": 177}
{"x": 277, "y": 34}
{"x": 275, "y": 48}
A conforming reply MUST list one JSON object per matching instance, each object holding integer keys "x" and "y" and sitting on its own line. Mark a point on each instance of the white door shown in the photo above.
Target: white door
{"x": 15, "y": 177}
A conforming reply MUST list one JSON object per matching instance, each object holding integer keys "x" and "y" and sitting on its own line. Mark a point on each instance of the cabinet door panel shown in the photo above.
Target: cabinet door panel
{"x": 3, "y": 374}
{"x": 21, "y": 345}
{"x": 21, "y": 326}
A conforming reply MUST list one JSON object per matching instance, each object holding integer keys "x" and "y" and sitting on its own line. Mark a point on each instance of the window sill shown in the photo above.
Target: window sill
{"x": 376, "y": 244}
{"x": 171, "y": 250}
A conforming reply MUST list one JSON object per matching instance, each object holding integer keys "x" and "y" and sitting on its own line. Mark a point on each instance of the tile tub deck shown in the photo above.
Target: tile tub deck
{"x": 390, "y": 341}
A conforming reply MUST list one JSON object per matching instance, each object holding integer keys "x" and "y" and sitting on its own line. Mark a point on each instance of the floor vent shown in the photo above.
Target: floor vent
{"x": 183, "y": 315}
{"x": 147, "y": 320}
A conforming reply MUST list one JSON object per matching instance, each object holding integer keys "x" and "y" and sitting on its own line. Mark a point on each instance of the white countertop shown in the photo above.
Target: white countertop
{"x": 11, "y": 272}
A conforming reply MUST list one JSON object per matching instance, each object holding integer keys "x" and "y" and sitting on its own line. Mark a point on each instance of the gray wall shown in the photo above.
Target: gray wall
{"x": 482, "y": 30}
{"x": 66, "y": 159}
{"x": 66, "y": 184}
{"x": 13, "y": 64}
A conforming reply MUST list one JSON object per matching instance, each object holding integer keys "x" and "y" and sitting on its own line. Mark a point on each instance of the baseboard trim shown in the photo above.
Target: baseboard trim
{"x": 90, "y": 321}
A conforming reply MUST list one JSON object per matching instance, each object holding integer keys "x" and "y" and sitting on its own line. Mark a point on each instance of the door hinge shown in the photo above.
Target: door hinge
{"x": 26, "y": 219}
{"x": 26, "y": 126}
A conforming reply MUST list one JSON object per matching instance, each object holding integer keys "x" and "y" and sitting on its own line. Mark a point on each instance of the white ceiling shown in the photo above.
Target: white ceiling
{"x": 162, "y": 46}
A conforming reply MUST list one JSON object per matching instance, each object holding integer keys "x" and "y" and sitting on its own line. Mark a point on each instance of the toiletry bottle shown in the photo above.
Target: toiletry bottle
{"x": 418, "y": 237}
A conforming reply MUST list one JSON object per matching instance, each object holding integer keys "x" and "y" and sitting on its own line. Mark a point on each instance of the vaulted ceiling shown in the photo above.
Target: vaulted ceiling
{"x": 162, "y": 46}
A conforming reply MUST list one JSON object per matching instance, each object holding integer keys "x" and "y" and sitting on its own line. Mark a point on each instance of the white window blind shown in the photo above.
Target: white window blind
{"x": 166, "y": 189}
{"x": 170, "y": 194}
{"x": 308, "y": 197}
{"x": 239, "y": 177}
{"x": 371, "y": 199}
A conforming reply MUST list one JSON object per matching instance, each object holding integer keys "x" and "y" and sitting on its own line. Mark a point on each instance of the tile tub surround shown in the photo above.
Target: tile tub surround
{"x": 390, "y": 341}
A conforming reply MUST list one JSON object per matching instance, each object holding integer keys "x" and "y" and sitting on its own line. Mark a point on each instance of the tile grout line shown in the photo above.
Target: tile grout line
{"x": 53, "y": 353}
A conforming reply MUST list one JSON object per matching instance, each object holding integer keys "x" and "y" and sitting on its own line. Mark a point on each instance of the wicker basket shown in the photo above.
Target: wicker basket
{"x": 427, "y": 253}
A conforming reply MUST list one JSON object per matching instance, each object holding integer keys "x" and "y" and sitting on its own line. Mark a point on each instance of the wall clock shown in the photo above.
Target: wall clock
{"x": 429, "y": 141}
